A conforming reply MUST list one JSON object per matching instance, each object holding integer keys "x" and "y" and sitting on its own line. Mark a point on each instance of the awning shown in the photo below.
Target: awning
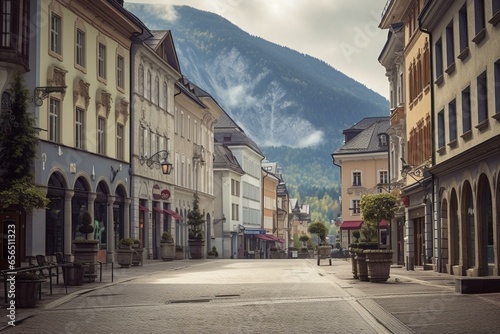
{"x": 269, "y": 237}
{"x": 158, "y": 209}
{"x": 351, "y": 225}
{"x": 143, "y": 208}
{"x": 383, "y": 224}
{"x": 173, "y": 214}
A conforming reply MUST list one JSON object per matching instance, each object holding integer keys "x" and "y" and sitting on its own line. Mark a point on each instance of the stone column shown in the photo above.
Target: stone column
{"x": 91, "y": 199}
{"x": 68, "y": 235}
{"x": 110, "y": 234}
{"x": 126, "y": 218}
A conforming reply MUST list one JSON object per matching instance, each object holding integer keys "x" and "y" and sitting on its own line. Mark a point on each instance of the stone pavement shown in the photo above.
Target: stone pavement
{"x": 416, "y": 301}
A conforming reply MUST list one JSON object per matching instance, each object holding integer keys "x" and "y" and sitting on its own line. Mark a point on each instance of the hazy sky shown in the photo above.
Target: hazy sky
{"x": 343, "y": 33}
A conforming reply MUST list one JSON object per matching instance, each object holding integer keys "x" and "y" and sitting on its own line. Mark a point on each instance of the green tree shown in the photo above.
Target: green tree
{"x": 320, "y": 229}
{"x": 18, "y": 143}
{"x": 375, "y": 208}
{"x": 195, "y": 220}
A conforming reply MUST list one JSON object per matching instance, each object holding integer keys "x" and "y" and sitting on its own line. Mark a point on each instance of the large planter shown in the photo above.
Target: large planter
{"x": 196, "y": 248}
{"x": 179, "y": 254}
{"x": 137, "y": 256}
{"x": 274, "y": 254}
{"x": 26, "y": 293}
{"x": 379, "y": 264}
{"x": 85, "y": 251}
{"x": 73, "y": 275}
{"x": 354, "y": 264}
{"x": 362, "y": 268}
{"x": 124, "y": 257}
{"x": 167, "y": 251}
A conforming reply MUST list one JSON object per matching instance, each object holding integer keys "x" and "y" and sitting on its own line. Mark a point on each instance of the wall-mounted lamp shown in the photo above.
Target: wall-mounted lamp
{"x": 160, "y": 158}
{"x": 223, "y": 220}
{"x": 41, "y": 93}
{"x": 92, "y": 175}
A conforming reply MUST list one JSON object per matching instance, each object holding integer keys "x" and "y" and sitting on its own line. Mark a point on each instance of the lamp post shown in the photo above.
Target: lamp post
{"x": 160, "y": 159}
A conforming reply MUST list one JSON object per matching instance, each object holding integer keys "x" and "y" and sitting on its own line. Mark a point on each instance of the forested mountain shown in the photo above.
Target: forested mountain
{"x": 292, "y": 105}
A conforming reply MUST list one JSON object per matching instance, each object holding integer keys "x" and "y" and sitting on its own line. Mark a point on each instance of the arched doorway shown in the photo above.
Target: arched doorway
{"x": 101, "y": 213}
{"x": 54, "y": 215}
{"x": 79, "y": 203}
{"x": 119, "y": 214}
{"x": 468, "y": 226}
{"x": 444, "y": 237}
{"x": 454, "y": 233}
{"x": 485, "y": 225}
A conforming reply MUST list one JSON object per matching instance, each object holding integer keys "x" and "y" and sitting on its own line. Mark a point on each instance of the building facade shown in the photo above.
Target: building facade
{"x": 466, "y": 104}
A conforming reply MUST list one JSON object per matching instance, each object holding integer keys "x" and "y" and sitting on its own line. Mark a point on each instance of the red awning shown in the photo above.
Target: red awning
{"x": 143, "y": 208}
{"x": 383, "y": 224}
{"x": 351, "y": 225}
{"x": 173, "y": 214}
{"x": 158, "y": 209}
{"x": 269, "y": 237}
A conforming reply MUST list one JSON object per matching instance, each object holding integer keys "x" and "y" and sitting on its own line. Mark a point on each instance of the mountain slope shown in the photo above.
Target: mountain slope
{"x": 292, "y": 105}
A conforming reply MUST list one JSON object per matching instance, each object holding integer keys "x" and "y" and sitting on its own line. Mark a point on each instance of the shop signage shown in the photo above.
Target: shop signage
{"x": 246, "y": 231}
{"x": 156, "y": 192}
{"x": 165, "y": 194}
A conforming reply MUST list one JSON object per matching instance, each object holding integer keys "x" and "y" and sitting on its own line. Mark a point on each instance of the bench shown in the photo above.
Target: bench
{"x": 472, "y": 285}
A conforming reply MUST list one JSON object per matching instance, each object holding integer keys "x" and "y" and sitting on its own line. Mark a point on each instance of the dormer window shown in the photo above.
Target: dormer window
{"x": 382, "y": 139}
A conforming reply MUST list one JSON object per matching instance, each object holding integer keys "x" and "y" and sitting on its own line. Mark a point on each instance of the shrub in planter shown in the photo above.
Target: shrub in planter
{"x": 26, "y": 289}
{"x": 167, "y": 247}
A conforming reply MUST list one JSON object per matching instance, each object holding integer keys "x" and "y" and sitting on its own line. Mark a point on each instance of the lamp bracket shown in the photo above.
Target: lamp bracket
{"x": 41, "y": 93}
{"x": 155, "y": 159}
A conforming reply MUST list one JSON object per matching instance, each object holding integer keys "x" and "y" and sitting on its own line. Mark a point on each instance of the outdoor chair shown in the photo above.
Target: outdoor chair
{"x": 44, "y": 264}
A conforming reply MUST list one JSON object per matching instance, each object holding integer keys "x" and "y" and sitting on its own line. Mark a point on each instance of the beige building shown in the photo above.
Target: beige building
{"x": 80, "y": 72}
{"x": 410, "y": 131}
{"x": 363, "y": 161}
{"x": 466, "y": 110}
{"x": 156, "y": 72}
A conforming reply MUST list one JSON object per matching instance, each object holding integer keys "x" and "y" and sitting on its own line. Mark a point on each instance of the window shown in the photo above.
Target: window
{"x": 479, "y": 18}
{"x": 55, "y": 33}
{"x": 101, "y": 60}
{"x": 355, "y": 207}
{"x": 441, "y": 129}
{"x": 119, "y": 142}
{"x": 148, "y": 83}
{"x": 6, "y": 22}
{"x": 482, "y": 98}
{"x": 188, "y": 130}
{"x": 463, "y": 30}
{"x": 235, "y": 212}
{"x": 495, "y": 5}
{"x": 54, "y": 120}
{"x": 120, "y": 74}
{"x": 450, "y": 46}
{"x": 80, "y": 48}
{"x": 235, "y": 188}
{"x": 497, "y": 86}
{"x": 101, "y": 135}
{"x": 157, "y": 90}
{"x": 452, "y": 119}
{"x": 141, "y": 80}
{"x": 466, "y": 116}
{"x": 382, "y": 139}
{"x": 356, "y": 178}
{"x": 165, "y": 94}
{"x": 439, "y": 58}
{"x": 383, "y": 177}
{"x": 79, "y": 128}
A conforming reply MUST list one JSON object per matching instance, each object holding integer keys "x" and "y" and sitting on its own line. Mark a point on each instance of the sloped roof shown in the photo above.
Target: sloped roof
{"x": 163, "y": 39}
{"x": 224, "y": 159}
{"x": 235, "y": 137}
{"x": 367, "y": 140}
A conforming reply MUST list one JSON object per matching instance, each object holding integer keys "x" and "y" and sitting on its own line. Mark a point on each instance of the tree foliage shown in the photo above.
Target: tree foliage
{"x": 375, "y": 208}
{"x": 320, "y": 229}
{"x": 195, "y": 220}
{"x": 18, "y": 144}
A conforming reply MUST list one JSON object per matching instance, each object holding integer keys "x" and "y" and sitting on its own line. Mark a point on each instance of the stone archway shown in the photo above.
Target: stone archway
{"x": 54, "y": 215}
{"x": 485, "y": 227}
{"x": 468, "y": 227}
{"x": 454, "y": 235}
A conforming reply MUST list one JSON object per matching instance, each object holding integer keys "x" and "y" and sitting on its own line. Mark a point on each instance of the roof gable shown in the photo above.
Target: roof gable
{"x": 162, "y": 43}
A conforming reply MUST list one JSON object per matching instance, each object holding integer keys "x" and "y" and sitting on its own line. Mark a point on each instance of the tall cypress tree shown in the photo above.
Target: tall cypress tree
{"x": 195, "y": 220}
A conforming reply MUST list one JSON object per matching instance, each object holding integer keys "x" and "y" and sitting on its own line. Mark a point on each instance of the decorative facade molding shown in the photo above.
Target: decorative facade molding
{"x": 121, "y": 110}
{"x": 104, "y": 99}
{"x": 82, "y": 90}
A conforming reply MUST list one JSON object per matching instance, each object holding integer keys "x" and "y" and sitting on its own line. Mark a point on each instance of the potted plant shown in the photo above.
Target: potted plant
{"x": 352, "y": 251}
{"x": 323, "y": 249}
{"x": 304, "y": 251}
{"x": 167, "y": 246}
{"x": 195, "y": 225}
{"x": 73, "y": 273}
{"x": 212, "y": 254}
{"x": 124, "y": 253}
{"x": 274, "y": 252}
{"x": 27, "y": 285}
{"x": 179, "y": 252}
{"x": 138, "y": 252}
{"x": 376, "y": 208}
{"x": 85, "y": 250}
